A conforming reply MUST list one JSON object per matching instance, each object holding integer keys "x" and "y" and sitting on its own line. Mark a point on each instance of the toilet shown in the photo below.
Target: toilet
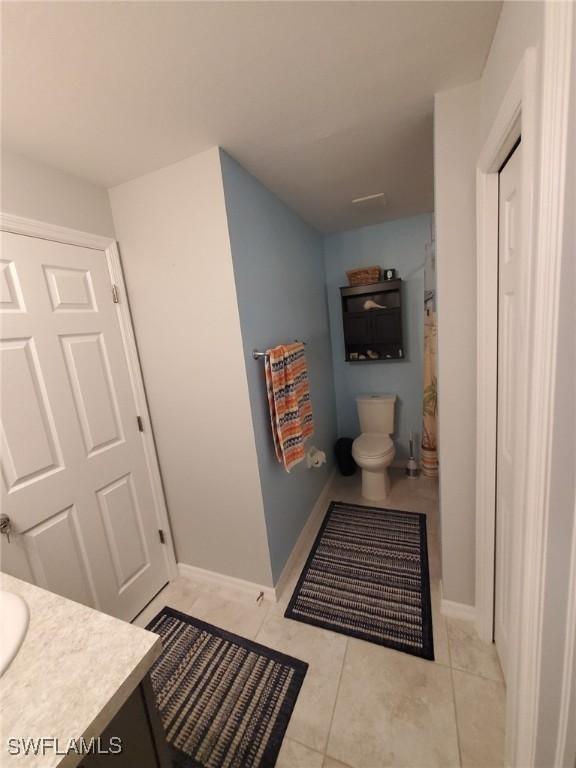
{"x": 374, "y": 450}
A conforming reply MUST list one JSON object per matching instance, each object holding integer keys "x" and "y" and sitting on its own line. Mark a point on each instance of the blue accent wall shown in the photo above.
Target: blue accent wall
{"x": 280, "y": 286}
{"x": 400, "y": 244}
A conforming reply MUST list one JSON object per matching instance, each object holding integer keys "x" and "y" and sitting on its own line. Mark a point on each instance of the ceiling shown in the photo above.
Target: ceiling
{"x": 322, "y": 101}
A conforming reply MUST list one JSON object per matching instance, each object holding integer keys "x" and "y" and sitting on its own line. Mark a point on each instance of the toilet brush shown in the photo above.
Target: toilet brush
{"x": 412, "y": 466}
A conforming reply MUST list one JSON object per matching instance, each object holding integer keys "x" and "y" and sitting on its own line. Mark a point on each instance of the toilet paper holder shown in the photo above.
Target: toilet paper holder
{"x": 315, "y": 457}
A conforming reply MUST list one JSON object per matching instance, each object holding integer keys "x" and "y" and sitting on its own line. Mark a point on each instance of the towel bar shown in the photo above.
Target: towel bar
{"x": 257, "y": 355}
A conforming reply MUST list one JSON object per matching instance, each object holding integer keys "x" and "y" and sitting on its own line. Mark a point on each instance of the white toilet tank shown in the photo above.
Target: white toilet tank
{"x": 376, "y": 413}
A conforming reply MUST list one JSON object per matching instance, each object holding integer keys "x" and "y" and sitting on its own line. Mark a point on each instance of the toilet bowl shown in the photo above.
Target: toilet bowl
{"x": 374, "y": 450}
{"x": 374, "y": 453}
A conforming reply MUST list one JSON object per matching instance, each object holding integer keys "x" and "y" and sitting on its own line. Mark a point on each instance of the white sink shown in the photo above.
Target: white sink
{"x": 14, "y": 617}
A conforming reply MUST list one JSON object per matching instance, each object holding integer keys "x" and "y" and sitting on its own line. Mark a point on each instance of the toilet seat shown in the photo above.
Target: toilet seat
{"x": 373, "y": 445}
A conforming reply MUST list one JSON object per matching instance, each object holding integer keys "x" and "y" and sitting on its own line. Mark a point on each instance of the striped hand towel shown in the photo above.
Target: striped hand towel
{"x": 289, "y": 402}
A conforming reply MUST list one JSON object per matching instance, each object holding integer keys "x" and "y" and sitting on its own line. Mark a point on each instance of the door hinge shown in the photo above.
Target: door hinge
{"x": 115, "y": 296}
{"x": 161, "y": 535}
{"x": 140, "y": 423}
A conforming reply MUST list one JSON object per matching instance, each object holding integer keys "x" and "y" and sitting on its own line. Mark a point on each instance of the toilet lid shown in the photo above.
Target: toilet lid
{"x": 373, "y": 445}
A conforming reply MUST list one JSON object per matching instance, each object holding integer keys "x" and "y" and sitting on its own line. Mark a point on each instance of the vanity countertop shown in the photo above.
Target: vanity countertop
{"x": 72, "y": 674}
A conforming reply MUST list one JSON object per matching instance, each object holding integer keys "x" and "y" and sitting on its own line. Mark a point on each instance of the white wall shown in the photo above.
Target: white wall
{"x": 172, "y": 229}
{"x": 462, "y": 120}
{"x": 456, "y": 114}
{"x": 519, "y": 27}
{"x": 37, "y": 191}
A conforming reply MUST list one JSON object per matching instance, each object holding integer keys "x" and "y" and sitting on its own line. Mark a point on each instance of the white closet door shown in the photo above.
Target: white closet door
{"x": 75, "y": 482}
{"x": 508, "y": 275}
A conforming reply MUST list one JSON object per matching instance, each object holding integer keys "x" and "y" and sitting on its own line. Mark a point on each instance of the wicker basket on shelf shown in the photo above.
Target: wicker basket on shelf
{"x": 363, "y": 275}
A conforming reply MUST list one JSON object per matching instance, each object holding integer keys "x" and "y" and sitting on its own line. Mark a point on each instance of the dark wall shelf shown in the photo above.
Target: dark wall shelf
{"x": 372, "y": 319}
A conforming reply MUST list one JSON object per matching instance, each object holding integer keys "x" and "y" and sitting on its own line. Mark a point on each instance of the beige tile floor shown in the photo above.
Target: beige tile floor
{"x": 362, "y": 705}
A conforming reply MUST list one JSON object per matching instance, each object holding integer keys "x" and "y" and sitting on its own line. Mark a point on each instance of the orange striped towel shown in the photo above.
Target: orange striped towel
{"x": 289, "y": 402}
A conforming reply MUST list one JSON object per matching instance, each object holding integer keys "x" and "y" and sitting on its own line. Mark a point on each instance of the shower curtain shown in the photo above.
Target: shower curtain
{"x": 429, "y": 456}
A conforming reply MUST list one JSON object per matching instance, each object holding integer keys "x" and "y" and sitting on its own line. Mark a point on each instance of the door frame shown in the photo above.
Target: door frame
{"x": 542, "y": 123}
{"x": 516, "y": 117}
{"x": 31, "y": 228}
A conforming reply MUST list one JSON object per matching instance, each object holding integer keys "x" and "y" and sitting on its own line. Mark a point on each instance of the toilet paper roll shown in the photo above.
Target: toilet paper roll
{"x": 315, "y": 457}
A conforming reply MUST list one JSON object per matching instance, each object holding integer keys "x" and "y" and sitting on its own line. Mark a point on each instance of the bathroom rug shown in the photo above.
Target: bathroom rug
{"x": 223, "y": 700}
{"x": 367, "y": 577}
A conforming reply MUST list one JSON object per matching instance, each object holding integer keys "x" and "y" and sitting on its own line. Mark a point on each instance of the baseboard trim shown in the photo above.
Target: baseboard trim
{"x": 307, "y": 535}
{"x": 453, "y": 610}
{"x": 304, "y": 541}
{"x": 221, "y": 579}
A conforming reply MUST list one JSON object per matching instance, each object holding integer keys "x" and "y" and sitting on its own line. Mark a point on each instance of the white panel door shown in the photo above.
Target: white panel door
{"x": 508, "y": 276}
{"x": 75, "y": 481}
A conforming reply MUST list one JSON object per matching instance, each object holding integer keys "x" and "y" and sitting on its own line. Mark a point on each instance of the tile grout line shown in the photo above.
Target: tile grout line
{"x": 267, "y": 613}
{"x": 454, "y": 697}
{"x": 477, "y": 675}
{"x": 325, "y": 753}
{"x": 301, "y": 743}
{"x": 472, "y": 672}
{"x": 322, "y": 754}
{"x": 297, "y": 569}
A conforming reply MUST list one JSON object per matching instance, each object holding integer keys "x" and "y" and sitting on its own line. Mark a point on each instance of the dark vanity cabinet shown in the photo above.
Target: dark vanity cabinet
{"x": 137, "y": 725}
{"x": 372, "y": 318}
